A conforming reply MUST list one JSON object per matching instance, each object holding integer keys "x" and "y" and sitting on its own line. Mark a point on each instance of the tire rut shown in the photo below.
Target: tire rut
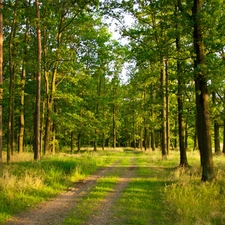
{"x": 55, "y": 210}
{"x": 104, "y": 214}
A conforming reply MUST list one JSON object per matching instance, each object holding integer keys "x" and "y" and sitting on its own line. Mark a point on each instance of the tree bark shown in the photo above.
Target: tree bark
{"x": 181, "y": 125}
{"x": 10, "y": 141}
{"x": 114, "y": 126}
{"x": 37, "y": 124}
{"x": 23, "y": 82}
{"x": 216, "y": 128}
{"x": 72, "y": 141}
{"x": 202, "y": 97}
{"x": 164, "y": 116}
{"x": 1, "y": 76}
{"x": 167, "y": 110}
{"x": 79, "y": 141}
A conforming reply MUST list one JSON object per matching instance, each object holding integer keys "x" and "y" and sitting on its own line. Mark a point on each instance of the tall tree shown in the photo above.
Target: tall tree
{"x": 202, "y": 96}
{"x": 180, "y": 101}
{"x": 12, "y": 71}
{"x": 23, "y": 81}
{"x": 37, "y": 123}
{"x": 1, "y": 76}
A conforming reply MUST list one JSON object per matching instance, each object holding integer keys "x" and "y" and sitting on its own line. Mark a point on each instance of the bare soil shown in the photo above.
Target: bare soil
{"x": 57, "y": 209}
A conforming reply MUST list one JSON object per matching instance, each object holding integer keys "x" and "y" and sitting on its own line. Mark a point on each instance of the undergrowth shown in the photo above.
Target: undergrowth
{"x": 190, "y": 201}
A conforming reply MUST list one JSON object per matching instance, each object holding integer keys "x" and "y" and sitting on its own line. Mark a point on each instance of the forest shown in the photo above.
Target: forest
{"x": 66, "y": 82}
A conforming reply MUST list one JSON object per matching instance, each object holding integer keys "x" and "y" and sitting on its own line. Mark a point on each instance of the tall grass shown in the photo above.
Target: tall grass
{"x": 190, "y": 201}
{"x": 23, "y": 184}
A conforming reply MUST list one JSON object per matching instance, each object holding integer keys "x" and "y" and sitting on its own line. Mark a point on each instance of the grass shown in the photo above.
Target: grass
{"x": 189, "y": 201}
{"x": 23, "y": 184}
{"x": 90, "y": 203}
{"x": 142, "y": 201}
{"x": 159, "y": 193}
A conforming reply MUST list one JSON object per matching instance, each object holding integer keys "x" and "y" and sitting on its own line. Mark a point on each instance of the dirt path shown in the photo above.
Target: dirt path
{"x": 104, "y": 214}
{"x": 56, "y": 210}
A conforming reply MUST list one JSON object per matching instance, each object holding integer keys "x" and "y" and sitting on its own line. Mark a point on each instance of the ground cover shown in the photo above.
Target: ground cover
{"x": 132, "y": 187}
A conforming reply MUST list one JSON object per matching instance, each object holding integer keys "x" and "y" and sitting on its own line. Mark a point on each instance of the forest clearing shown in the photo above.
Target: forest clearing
{"x": 122, "y": 186}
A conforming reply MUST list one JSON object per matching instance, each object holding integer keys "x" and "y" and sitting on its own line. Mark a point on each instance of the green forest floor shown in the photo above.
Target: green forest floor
{"x": 111, "y": 187}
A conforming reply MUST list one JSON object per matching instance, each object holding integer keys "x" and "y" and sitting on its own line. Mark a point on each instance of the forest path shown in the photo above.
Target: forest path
{"x": 56, "y": 210}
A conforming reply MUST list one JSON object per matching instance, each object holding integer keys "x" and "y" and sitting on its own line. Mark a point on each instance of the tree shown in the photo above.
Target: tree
{"x": 202, "y": 96}
{"x": 1, "y": 77}
{"x": 37, "y": 135}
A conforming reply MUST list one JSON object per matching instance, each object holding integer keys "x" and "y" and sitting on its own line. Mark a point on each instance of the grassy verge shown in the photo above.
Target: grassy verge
{"x": 189, "y": 201}
{"x": 23, "y": 184}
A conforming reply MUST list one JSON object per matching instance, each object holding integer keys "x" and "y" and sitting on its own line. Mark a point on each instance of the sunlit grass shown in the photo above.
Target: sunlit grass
{"x": 142, "y": 201}
{"x": 159, "y": 193}
{"x": 23, "y": 184}
{"x": 89, "y": 204}
{"x": 190, "y": 201}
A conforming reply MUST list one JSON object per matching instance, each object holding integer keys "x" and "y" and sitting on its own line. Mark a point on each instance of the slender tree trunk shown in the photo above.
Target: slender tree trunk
{"x": 72, "y": 141}
{"x": 167, "y": 110}
{"x": 196, "y": 135}
{"x": 223, "y": 136}
{"x": 223, "y": 151}
{"x": 11, "y": 132}
{"x": 164, "y": 116}
{"x": 51, "y": 91}
{"x": 79, "y": 141}
{"x": 37, "y": 123}
{"x": 1, "y": 76}
{"x": 202, "y": 97}
{"x": 181, "y": 126}
{"x": 96, "y": 140}
{"x": 145, "y": 138}
{"x": 114, "y": 126}
{"x": 53, "y": 149}
{"x": 216, "y": 128}
{"x": 103, "y": 141}
{"x": 22, "y": 94}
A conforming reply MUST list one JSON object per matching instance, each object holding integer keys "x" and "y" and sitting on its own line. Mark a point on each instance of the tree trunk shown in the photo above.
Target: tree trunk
{"x": 114, "y": 126}
{"x": 37, "y": 123}
{"x": 180, "y": 99}
{"x": 96, "y": 140}
{"x": 153, "y": 140}
{"x": 72, "y": 141}
{"x": 202, "y": 97}
{"x": 79, "y": 142}
{"x": 167, "y": 110}
{"x": 223, "y": 136}
{"x": 216, "y": 128}
{"x": 196, "y": 135}
{"x": 103, "y": 141}
{"x": 164, "y": 127}
{"x": 22, "y": 101}
{"x": 51, "y": 91}
{"x": 11, "y": 133}
{"x": 1, "y": 76}
{"x": 53, "y": 147}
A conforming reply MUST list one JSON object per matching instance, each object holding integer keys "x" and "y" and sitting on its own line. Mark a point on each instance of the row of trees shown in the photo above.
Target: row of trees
{"x": 62, "y": 70}
{"x": 178, "y": 55}
{"x": 61, "y": 76}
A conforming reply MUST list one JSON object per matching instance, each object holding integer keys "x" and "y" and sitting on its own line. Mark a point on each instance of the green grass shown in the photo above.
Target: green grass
{"x": 23, "y": 184}
{"x": 159, "y": 193}
{"x": 90, "y": 203}
{"x": 142, "y": 201}
{"x": 189, "y": 201}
